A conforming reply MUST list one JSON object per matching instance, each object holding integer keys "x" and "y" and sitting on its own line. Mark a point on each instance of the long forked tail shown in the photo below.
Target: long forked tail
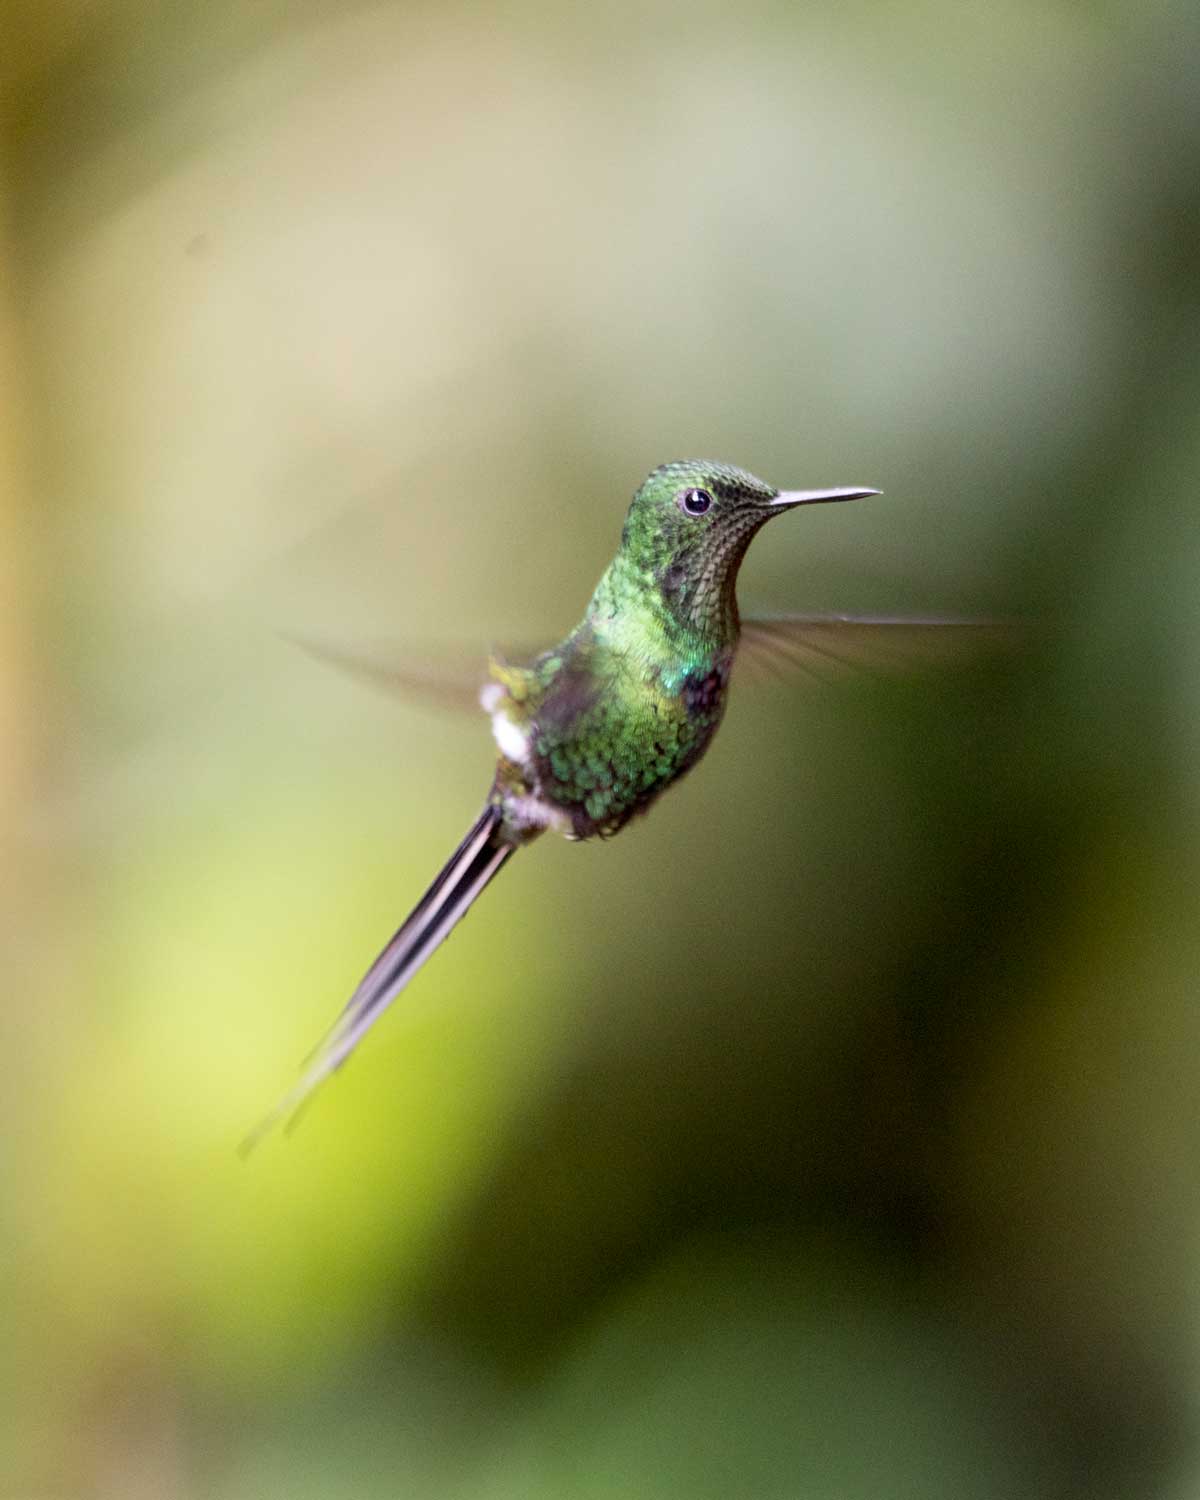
{"x": 472, "y": 865}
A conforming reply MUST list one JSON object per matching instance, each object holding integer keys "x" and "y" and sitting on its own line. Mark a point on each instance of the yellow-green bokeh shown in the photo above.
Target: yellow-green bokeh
{"x": 833, "y": 1131}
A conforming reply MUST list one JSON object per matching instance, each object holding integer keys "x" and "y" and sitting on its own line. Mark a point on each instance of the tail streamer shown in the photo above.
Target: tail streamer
{"x": 476, "y": 861}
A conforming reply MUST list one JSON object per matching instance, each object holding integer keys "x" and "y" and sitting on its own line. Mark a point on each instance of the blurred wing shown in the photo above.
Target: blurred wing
{"x": 440, "y": 679}
{"x": 828, "y": 646}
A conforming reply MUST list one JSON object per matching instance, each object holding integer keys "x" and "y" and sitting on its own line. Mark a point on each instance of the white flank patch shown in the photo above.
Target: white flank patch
{"x": 511, "y": 738}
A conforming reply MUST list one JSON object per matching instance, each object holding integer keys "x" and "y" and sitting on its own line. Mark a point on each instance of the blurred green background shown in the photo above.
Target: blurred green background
{"x": 834, "y": 1132}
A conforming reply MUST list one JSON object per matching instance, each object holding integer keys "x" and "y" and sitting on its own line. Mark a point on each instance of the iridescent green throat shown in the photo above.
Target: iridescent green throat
{"x": 668, "y": 598}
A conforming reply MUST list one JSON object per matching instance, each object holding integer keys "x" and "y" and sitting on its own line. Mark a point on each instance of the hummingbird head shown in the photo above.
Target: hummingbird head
{"x": 688, "y": 529}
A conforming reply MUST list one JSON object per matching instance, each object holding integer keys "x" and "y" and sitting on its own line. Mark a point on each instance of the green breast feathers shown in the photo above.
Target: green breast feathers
{"x": 589, "y": 735}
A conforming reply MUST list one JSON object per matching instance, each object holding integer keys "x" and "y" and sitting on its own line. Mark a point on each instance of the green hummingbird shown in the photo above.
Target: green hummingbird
{"x": 592, "y": 731}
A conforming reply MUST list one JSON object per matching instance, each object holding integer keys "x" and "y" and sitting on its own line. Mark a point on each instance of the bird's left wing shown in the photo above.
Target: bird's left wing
{"x": 445, "y": 679}
{"x": 820, "y": 646}
{"x": 830, "y": 645}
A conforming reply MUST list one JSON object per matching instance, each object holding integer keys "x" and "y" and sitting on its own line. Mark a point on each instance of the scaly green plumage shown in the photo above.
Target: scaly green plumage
{"x": 605, "y": 732}
{"x": 592, "y": 731}
{"x": 631, "y": 699}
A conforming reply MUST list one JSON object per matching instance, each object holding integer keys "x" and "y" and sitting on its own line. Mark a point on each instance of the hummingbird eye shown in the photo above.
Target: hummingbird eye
{"x": 694, "y": 502}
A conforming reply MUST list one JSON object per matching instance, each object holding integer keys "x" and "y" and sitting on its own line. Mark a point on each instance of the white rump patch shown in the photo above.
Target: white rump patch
{"x": 510, "y": 737}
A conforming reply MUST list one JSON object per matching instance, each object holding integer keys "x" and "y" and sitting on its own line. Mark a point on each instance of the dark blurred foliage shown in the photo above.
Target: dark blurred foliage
{"x": 835, "y": 1130}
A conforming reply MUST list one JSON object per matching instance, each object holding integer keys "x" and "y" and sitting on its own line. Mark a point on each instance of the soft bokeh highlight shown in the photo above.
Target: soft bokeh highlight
{"x": 831, "y": 1132}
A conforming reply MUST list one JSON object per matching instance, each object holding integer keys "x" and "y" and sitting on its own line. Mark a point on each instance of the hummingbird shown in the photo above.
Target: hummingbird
{"x": 590, "y": 733}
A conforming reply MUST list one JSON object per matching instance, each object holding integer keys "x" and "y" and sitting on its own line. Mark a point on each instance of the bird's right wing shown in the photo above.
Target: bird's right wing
{"x": 824, "y": 646}
{"x": 819, "y": 646}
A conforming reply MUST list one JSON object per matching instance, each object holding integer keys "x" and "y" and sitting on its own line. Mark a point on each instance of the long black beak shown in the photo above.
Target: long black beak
{"x": 787, "y": 498}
